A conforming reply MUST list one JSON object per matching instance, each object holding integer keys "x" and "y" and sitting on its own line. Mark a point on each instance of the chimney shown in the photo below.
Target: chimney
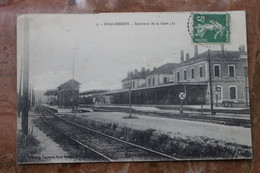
{"x": 187, "y": 56}
{"x": 242, "y": 49}
{"x": 222, "y": 50}
{"x": 136, "y": 71}
{"x": 182, "y": 56}
{"x": 143, "y": 69}
{"x": 128, "y": 74}
{"x": 195, "y": 50}
{"x": 132, "y": 73}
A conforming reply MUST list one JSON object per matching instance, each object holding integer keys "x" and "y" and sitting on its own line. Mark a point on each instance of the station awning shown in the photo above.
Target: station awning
{"x": 157, "y": 87}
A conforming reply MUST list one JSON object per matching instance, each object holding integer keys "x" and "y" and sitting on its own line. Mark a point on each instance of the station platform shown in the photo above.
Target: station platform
{"x": 66, "y": 110}
{"x": 186, "y": 108}
{"x": 163, "y": 109}
{"x": 50, "y": 150}
{"x": 59, "y": 110}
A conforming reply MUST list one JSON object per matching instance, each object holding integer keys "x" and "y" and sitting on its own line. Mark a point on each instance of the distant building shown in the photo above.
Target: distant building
{"x": 154, "y": 88}
{"x": 135, "y": 79}
{"x": 68, "y": 94}
{"x": 160, "y": 75}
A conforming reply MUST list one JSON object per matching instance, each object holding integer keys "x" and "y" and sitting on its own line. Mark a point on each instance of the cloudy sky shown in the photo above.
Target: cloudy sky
{"x": 104, "y": 54}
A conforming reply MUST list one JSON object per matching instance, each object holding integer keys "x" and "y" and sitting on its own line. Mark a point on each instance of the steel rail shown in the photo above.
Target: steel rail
{"x": 75, "y": 140}
{"x": 111, "y": 137}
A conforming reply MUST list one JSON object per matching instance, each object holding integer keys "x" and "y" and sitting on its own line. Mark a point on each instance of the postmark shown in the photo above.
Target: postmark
{"x": 210, "y": 28}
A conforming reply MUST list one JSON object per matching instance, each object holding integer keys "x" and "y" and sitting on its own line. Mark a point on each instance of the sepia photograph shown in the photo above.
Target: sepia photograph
{"x": 131, "y": 87}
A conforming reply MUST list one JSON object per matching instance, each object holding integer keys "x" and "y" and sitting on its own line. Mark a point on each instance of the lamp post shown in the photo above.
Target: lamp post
{"x": 25, "y": 60}
{"x": 73, "y": 71}
{"x": 130, "y": 110}
{"x": 210, "y": 84}
{"x": 73, "y": 85}
{"x": 19, "y": 105}
{"x": 246, "y": 81}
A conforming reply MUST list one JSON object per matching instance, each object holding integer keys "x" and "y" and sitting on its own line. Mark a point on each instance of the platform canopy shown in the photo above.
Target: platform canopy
{"x": 94, "y": 92}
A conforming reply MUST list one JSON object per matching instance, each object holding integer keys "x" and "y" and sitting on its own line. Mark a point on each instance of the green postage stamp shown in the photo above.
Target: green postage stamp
{"x": 211, "y": 28}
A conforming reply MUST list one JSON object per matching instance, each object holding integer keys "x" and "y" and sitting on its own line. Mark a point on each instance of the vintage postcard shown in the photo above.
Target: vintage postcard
{"x": 120, "y": 87}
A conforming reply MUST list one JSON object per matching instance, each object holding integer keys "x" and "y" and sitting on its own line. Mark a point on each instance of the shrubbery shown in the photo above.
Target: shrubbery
{"x": 27, "y": 146}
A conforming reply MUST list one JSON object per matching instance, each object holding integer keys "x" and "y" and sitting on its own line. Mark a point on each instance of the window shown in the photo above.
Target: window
{"x": 216, "y": 70}
{"x": 178, "y": 76}
{"x": 184, "y": 75}
{"x": 218, "y": 92}
{"x": 134, "y": 84}
{"x": 232, "y": 93}
{"x": 231, "y": 70}
{"x": 149, "y": 81}
{"x": 164, "y": 80}
{"x": 201, "y": 74}
{"x": 153, "y": 81}
{"x": 192, "y": 73}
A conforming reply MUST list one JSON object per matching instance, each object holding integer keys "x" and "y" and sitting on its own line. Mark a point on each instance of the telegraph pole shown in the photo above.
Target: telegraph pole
{"x": 19, "y": 104}
{"x": 246, "y": 91}
{"x": 210, "y": 85}
{"x": 73, "y": 85}
{"x": 246, "y": 87}
{"x": 33, "y": 97}
{"x": 25, "y": 96}
{"x": 30, "y": 96}
{"x": 25, "y": 77}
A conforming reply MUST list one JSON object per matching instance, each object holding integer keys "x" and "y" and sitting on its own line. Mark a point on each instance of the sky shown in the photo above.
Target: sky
{"x": 104, "y": 54}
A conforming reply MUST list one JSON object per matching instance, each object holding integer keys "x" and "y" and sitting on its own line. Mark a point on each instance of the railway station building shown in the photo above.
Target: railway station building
{"x": 135, "y": 79}
{"x": 191, "y": 75}
{"x": 68, "y": 94}
{"x": 228, "y": 75}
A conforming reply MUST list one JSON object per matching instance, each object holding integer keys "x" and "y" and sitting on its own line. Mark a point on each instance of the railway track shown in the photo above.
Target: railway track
{"x": 107, "y": 147}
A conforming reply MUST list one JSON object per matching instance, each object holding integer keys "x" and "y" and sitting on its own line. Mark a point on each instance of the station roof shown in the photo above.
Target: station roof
{"x": 94, "y": 91}
{"x": 218, "y": 54}
{"x": 69, "y": 84}
{"x": 168, "y": 85}
{"x": 164, "y": 69}
{"x": 214, "y": 55}
{"x": 138, "y": 75}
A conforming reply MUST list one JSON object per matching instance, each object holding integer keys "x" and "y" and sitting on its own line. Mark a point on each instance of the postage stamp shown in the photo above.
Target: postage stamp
{"x": 211, "y": 28}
